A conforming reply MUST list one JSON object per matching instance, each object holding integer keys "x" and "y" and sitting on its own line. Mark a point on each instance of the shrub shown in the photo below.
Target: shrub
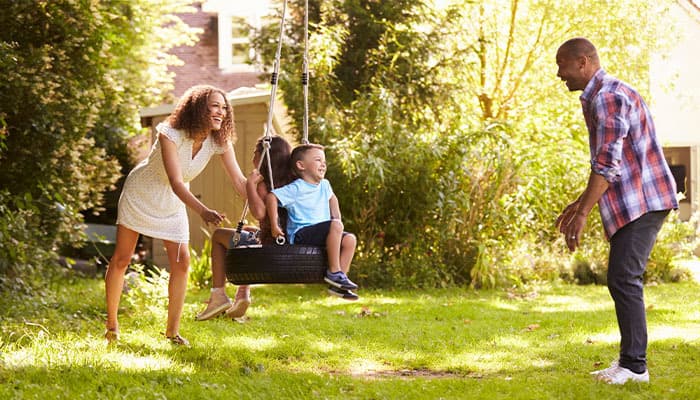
{"x": 200, "y": 265}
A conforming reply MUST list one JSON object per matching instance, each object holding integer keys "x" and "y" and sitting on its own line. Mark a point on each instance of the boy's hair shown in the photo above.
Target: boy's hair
{"x": 299, "y": 152}
{"x": 191, "y": 114}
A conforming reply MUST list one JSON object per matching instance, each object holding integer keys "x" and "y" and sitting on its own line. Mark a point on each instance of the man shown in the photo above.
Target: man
{"x": 633, "y": 186}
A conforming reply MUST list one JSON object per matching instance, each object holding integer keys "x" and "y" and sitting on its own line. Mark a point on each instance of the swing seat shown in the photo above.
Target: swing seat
{"x": 276, "y": 264}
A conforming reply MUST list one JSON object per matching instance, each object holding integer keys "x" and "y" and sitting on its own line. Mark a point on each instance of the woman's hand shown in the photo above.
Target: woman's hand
{"x": 212, "y": 216}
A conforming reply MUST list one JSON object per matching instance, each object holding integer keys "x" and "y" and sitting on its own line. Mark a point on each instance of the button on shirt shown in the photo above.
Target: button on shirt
{"x": 306, "y": 203}
{"x": 626, "y": 152}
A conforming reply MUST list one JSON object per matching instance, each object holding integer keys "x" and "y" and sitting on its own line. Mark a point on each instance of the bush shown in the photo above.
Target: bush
{"x": 74, "y": 74}
{"x": 677, "y": 241}
{"x": 200, "y": 265}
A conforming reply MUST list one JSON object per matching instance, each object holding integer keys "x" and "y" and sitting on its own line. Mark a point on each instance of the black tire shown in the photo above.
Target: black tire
{"x": 276, "y": 264}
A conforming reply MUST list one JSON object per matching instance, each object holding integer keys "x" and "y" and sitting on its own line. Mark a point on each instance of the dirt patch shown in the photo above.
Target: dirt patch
{"x": 413, "y": 373}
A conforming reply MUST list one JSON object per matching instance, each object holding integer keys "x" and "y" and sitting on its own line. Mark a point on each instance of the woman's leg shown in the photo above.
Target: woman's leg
{"x": 219, "y": 244}
{"x": 218, "y": 301}
{"x": 114, "y": 278}
{"x": 179, "y": 259}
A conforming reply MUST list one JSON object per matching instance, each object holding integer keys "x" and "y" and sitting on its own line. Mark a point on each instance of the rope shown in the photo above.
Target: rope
{"x": 305, "y": 75}
{"x": 268, "y": 127}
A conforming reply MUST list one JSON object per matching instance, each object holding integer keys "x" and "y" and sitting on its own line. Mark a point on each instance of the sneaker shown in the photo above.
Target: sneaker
{"x": 342, "y": 293}
{"x": 612, "y": 364}
{"x": 217, "y": 305}
{"x": 339, "y": 280}
{"x": 617, "y": 375}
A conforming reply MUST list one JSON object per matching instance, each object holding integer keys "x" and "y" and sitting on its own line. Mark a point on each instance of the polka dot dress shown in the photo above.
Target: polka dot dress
{"x": 147, "y": 203}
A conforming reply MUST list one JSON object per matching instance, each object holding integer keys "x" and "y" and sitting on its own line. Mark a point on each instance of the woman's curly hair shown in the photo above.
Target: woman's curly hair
{"x": 191, "y": 114}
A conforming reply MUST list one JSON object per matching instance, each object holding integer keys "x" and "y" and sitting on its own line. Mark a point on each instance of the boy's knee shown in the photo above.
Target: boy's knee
{"x": 349, "y": 239}
{"x": 337, "y": 226}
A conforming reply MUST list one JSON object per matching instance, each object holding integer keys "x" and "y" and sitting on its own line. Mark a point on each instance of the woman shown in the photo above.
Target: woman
{"x": 156, "y": 192}
{"x": 258, "y": 186}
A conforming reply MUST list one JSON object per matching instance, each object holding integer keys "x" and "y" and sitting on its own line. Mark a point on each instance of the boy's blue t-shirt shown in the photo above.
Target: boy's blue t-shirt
{"x": 307, "y": 204}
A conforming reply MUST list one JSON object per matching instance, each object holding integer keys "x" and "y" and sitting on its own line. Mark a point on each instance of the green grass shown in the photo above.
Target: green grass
{"x": 300, "y": 343}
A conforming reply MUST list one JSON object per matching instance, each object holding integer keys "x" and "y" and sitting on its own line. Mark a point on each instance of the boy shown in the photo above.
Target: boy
{"x": 314, "y": 216}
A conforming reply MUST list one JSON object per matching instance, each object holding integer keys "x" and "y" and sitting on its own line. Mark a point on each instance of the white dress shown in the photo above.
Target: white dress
{"x": 147, "y": 203}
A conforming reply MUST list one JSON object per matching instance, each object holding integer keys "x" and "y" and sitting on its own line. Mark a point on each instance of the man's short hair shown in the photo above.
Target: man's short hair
{"x": 579, "y": 47}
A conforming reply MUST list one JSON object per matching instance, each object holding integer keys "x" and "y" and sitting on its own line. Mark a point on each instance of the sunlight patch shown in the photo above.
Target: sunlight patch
{"x": 569, "y": 303}
{"x": 363, "y": 366}
{"x": 257, "y": 343}
{"x": 133, "y": 362}
{"x": 325, "y": 346}
{"x": 19, "y": 359}
{"x": 688, "y": 333}
{"x": 488, "y": 362}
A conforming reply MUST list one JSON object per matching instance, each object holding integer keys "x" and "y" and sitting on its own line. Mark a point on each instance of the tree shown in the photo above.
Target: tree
{"x": 74, "y": 75}
{"x": 430, "y": 115}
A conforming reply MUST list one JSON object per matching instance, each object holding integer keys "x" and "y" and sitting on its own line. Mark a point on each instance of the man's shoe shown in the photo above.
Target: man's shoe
{"x": 217, "y": 305}
{"x": 617, "y": 375}
{"x": 342, "y": 293}
{"x": 339, "y": 280}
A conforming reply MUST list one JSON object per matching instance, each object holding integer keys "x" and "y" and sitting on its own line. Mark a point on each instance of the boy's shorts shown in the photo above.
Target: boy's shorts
{"x": 314, "y": 235}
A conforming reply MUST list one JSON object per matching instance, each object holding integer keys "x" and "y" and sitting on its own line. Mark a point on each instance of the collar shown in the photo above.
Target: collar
{"x": 593, "y": 85}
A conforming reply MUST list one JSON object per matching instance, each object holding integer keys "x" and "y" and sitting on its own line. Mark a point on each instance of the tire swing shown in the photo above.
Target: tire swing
{"x": 280, "y": 262}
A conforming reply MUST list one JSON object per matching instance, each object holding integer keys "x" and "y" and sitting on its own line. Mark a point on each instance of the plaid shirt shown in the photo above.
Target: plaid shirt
{"x": 625, "y": 151}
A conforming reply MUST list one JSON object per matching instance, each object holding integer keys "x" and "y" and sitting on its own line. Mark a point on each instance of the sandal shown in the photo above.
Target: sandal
{"x": 178, "y": 340}
{"x": 112, "y": 335}
{"x": 238, "y": 308}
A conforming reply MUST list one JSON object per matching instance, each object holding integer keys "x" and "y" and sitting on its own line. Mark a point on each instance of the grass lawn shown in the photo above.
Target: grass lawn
{"x": 299, "y": 343}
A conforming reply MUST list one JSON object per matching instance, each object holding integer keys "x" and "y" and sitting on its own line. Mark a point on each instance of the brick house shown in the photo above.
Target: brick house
{"x": 222, "y": 54}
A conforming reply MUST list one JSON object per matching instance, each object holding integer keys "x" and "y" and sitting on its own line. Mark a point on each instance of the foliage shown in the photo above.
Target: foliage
{"x": 146, "y": 288}
{"x": 200, "y": 265}
{"x": 676, "y": 241}
{"x": 452, "y": 146}
{"x": 19, "y": 244}
{"x": 74, "y": 75}
{"x": 538, "y": 342}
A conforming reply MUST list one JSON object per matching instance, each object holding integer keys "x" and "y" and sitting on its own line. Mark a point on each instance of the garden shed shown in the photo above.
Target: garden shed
{"x": 212, "y": 186}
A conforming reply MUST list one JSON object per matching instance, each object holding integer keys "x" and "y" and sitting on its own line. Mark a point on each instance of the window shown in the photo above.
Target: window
{"x": 678, "y": 159}
{"x": 241, "y": 50}
{"x": 236, "y": 21}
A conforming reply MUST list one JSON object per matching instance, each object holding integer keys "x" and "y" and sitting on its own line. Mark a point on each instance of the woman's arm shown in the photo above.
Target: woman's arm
{"x": 172, "y": 169}
{"x": 233, "y": 170}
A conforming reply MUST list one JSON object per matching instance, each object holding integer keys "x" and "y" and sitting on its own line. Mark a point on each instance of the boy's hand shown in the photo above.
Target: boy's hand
{"x": 276, "y": 231}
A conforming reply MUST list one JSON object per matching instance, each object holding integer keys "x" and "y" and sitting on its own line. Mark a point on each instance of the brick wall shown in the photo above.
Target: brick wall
{"x": 202, "y": 59}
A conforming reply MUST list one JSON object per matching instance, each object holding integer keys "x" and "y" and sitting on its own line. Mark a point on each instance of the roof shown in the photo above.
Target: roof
{"x": 237, "y": 97}
{"x": 240, "y": 96}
